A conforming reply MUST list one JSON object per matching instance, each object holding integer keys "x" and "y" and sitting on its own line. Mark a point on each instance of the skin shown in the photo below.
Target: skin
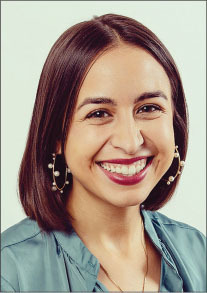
{"x": 106, "y": 214}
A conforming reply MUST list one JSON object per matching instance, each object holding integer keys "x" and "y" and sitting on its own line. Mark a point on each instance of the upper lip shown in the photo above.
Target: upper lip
{"x": 124, "y": 161}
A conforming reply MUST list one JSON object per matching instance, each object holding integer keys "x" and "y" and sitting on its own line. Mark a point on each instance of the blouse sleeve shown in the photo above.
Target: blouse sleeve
{"x": 9, "y": 276}
{"x": 6, "y": 286}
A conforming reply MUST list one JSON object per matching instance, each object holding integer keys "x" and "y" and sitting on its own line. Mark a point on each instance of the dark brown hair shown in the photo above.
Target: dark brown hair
{"x": 63, "y": 73}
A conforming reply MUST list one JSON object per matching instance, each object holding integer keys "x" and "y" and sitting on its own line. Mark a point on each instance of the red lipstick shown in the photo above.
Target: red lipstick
{"x": 124, "y": 161}
{"x": 126, "y": 180}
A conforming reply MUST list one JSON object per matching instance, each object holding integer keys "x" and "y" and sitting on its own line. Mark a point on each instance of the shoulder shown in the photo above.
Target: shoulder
{"x": 18, "y": 243}
{"x": 177, "y": 233}
{"x": 169, "y": 222}
{"x": 182, "y": 245}
{"x": 23, "y": 244}
{"x": 20, "y": 232}
{"x": 185, "y": 246}
{"x": 173, "y": 226}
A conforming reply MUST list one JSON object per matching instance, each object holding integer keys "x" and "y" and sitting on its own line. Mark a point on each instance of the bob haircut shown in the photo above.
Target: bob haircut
{"x": 63, "y": 73}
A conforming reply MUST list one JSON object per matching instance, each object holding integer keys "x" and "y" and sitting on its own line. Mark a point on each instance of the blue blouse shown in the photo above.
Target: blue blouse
{"x": 33, "y": 261}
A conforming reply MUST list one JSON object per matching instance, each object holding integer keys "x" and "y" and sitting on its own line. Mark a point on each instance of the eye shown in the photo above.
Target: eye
{"x": 149, "y": 109}
{"x": 98, "y": 114}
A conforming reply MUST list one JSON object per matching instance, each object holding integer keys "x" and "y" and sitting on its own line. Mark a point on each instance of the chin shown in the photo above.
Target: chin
{"x": 127, "y": 201}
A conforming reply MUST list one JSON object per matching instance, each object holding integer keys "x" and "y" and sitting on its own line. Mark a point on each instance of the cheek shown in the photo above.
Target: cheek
{"x": 165, "y": 136}
{"x": 83, "y": 143}
{"x": 161, "y": 134}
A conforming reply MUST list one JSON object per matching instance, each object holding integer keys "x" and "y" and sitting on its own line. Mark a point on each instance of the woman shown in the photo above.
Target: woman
{"x": 106, "y": 147}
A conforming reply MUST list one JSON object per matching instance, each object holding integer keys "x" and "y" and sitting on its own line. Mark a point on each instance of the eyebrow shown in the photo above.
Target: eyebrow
{"x": 107, "y": 100}
{"x": 150, "y": 95}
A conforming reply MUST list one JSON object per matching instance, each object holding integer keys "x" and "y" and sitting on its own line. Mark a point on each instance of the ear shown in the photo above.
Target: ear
{"x": 58, "y": 148}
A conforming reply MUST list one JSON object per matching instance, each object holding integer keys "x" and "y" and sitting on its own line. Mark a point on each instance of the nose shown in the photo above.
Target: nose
{"x": 127, "y": 136}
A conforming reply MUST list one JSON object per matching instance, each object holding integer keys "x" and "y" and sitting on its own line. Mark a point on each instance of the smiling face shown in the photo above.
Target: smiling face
{"x": 121, "y": 140}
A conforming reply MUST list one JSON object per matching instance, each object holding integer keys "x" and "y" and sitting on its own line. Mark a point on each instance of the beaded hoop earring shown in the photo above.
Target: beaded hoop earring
{"x": 56, "y": 173}
{"x": 180, "y": 166}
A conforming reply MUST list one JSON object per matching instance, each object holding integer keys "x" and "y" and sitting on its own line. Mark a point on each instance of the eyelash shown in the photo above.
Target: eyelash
{"x": 101, "y": 111}
{"x": 156, "y": 107}
{"x": 92, "y": 115}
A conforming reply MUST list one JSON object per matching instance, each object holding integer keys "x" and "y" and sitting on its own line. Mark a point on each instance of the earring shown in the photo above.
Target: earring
{"x": 180, "y": 166}
{"x": 56, "y": 173}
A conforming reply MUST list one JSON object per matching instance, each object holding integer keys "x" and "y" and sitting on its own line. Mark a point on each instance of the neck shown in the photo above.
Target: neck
{"x": 100, "y": 224}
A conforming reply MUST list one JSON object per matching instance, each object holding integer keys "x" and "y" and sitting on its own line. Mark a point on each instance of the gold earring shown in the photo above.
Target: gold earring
{"x": 180, "y": 166}
{"x": 56, "y": 173}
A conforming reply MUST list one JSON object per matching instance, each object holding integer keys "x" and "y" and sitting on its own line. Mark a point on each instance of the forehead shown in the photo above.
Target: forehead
{"x": 125, "y": 71}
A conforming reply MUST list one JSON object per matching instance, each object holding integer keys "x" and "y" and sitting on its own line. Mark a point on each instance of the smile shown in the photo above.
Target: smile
{"x": 126, "y": 172}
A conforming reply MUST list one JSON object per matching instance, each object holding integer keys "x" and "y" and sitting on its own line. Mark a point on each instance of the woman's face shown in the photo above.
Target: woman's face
{"x": 121, "y": 141}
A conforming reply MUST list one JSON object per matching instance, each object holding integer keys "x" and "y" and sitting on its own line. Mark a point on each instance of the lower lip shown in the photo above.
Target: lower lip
{"x": 127, "y": 180}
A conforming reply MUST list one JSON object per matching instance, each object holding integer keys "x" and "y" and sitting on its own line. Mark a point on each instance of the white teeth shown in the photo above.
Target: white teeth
{"x": 138, "y": 168}
{"x": 124, "y": 170}
{"x": 132, "y": 170}
{"x": 118, "y": 170}
{"x": 128, "y": 170}
{"x": 112, "y": 169}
